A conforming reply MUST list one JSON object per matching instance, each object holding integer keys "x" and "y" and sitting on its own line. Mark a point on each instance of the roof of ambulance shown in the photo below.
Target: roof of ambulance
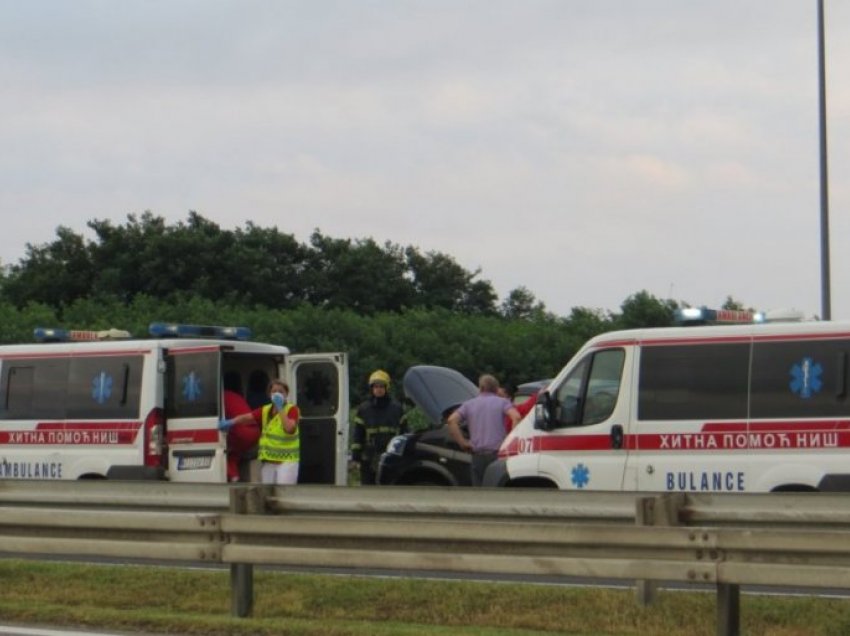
{"x": 713, "y": 333}
{"x": 141, "y": 345}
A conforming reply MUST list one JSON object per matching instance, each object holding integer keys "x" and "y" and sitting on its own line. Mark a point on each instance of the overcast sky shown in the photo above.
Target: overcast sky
{"x": 586, "y": 149}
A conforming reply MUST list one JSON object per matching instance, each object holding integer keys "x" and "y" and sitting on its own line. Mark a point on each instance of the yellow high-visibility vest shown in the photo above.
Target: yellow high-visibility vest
{"x": 276, "y": 445}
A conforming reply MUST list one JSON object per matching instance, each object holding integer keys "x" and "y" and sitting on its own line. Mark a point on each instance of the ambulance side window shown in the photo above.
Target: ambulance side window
{"x": 17, "y": 392}
{"x": 799, "y": 379}
{"x": 603, "y": 385}
{"x": 104, "y": 387}
{"x": 568, "y": 396}
{"x": 35, "y": 389}
{"x": 589, "y": 394}
{"x": 318, "y": 384}
{"x": 192, "y": 389}
{"x": 693, "y": 381}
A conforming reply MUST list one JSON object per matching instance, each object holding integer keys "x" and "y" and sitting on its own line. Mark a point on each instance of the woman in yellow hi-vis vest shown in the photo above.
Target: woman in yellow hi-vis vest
{"x": 279, "y": 448}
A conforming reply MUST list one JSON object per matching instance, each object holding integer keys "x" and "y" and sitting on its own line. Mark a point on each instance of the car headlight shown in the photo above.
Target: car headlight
{"x": 396, "y": 445}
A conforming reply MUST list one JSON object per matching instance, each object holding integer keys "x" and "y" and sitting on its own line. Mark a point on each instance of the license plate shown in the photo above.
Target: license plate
{"x": 194, "y": 462}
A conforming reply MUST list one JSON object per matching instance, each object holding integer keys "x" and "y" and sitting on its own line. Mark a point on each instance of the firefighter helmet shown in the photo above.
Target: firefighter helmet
{"x": 380, "y": 377}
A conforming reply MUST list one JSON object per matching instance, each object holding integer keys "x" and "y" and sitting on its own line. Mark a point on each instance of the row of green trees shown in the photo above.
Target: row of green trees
{"x": 251, "y": 266}
{"x": 514, "y": 350}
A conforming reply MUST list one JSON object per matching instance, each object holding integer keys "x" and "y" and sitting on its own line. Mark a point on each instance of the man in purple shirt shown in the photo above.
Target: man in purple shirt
{"x": 485, "y": 418}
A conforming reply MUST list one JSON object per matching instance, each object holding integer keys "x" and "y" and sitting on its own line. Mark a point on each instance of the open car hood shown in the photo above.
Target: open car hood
{"x": 437, "y": 390}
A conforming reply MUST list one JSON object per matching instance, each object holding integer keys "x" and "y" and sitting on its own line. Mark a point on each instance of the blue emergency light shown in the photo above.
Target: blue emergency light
{"x": 687, "y": 316}
{"x": 49, "y": 334}
{"x": 179, "y": 330}
{"x": 705, "y": 316}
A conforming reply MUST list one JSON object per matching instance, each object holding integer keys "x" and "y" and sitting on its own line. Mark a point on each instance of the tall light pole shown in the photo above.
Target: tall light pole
{"x": 826, "y": 309}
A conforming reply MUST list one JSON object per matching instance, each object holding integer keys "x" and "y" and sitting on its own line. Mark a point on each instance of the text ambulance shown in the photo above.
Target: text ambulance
{"x": 84, "y": 404}
{"x": 743, "y": 408}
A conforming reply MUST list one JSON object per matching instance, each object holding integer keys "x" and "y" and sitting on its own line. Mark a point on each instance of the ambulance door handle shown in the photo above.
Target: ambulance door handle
{"x": 841, "y": 376}
{"x": 617, "y": 436}
{"x": 126, "y": 384}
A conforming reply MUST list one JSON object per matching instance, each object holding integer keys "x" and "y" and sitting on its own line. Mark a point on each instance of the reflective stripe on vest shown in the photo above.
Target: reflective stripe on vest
{"x": 276, "y": 445}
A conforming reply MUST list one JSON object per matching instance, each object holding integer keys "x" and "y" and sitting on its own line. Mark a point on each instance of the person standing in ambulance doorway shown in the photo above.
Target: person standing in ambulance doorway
{"x": 241, "y": 440}
{"x": 377, "y": 421}
{"x": 485, "y": 417}
{"x": 279, "y": 446}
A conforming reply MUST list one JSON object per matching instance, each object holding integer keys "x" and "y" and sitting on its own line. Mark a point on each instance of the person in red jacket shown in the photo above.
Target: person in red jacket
{"x": 241, "y": 438}
{"x": 524, "y": 407}
{"x": 527, "y": 406}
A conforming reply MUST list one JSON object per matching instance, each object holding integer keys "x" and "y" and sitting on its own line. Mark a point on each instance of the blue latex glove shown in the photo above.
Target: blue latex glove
{"x": 225, "y": 425}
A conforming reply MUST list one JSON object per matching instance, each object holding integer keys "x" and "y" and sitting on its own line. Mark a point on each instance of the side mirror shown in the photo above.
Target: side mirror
{"x": 543, "y": 417}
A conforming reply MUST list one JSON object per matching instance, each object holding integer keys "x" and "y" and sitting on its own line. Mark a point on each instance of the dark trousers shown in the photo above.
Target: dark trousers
{"x": 368, "y": 475}
{"x": 480, "y": 461}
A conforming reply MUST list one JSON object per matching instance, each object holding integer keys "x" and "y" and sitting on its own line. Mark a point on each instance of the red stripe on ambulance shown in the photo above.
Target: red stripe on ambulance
{"x": 714, "y": 436}
{"x": 74, "y": 434}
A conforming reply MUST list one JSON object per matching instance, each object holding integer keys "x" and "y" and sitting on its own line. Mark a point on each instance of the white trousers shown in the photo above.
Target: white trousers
{"x": 284, "y": 473}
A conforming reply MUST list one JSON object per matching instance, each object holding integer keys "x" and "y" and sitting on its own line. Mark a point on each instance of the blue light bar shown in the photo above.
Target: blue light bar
{"x": 49, "y": 334}
{"x": 688, "y": 314}
{"x": 705, "y": 316}
{"x": 179, "y": 330}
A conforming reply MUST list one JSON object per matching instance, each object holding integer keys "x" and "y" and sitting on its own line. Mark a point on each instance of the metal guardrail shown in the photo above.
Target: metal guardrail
{"x": 725, "y": 540}
{"x": 149, "y": 495}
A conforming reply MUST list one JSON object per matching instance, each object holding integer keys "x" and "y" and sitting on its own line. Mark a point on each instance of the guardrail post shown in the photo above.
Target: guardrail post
{"x": 250, "y": 500}
{"x": 728, "y": 609}
{"x": 661, "y": 510}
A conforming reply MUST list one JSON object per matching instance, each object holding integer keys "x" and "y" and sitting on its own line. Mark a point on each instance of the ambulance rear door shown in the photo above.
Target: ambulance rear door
{"x": 192, "y": 397}
{"x": 318, "y": 384}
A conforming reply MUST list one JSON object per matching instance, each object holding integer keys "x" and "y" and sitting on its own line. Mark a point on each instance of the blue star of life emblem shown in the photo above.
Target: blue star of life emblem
{"x": 191, "y": 387}
{"x": 806, "y": 378}
{"x": 101, "y": 387}
{"x": 580, "y": 476}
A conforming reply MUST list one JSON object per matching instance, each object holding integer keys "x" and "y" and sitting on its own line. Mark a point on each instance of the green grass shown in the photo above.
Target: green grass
{"x": 172, "y": 600}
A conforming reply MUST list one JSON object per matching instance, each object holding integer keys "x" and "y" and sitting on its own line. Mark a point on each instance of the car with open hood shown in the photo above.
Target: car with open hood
{"x": 429, "y": 457}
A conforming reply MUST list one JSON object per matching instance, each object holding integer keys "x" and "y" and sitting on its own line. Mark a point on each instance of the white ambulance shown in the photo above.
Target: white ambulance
{"x": 87, "y": 405}
{"x": 756, "y": 407}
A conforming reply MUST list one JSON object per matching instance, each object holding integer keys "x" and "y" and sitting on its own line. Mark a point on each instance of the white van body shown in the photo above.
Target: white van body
{"x": 744, "y": 408}
{"x": 149, "y": 408}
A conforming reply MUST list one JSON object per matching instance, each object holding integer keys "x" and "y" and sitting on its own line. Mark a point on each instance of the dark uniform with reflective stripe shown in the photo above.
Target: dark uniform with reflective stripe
{"x": 378, "y": 420}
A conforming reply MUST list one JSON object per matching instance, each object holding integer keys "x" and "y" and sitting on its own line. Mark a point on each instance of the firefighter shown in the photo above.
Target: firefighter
{"x": 377, "y": 421}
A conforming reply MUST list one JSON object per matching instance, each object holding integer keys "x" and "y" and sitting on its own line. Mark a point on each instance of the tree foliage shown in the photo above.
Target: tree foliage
{"x": 251, "y": 265}
{"x": 645, "y": 310}
{"x": 521, "y": 304}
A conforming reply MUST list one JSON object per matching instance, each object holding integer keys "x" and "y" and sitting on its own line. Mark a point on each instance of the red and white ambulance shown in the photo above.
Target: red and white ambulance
{"x": 85, "y": 404}
{"x": 755, "y": 407}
